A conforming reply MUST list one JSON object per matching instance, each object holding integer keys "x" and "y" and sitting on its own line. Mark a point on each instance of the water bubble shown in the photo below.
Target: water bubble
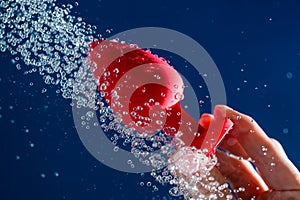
{"x": 155, "y": 188}
{"x": 90, "y": 114}
{"x": 116, "y": 149}
{"x": 178, "y": 96}
{"x": 151, "y": 100}
{"x": 285, "y": 130}
{"x": 159, "y": 122}
{"x": 31, "y": 144}
{"x": 116, "y": 70}
{"x": 238, "y": 117}
{"x": 106, "y": 74}
{"x": 56, "y": 174}
{"x": 174, "y": 191}
{"x": 239, "y": 190}
{"x": 108, "y": 30}
{"x": 138, "y": 123}
{"x": 264, "y": 150}
{"x": 149, "y": 184}
{"x": 162, "y": 113}
{"x": 157, "y": 76}
{"x": 49, "y": 41}
{"x": 289, "y": 75}
{"x": 44, "y": 90}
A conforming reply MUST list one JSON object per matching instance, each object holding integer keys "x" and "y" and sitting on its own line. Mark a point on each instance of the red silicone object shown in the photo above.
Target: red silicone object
{"x": 141, "y": 79}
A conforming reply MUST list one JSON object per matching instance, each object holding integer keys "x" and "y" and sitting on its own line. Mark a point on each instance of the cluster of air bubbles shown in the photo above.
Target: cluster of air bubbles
{"x": 190, "y": 175}
{"x": 151, "y": 150}
{"x": 44, "y": 38}
{"x": 264, "y": 150}
{"x": 186, "y": 169}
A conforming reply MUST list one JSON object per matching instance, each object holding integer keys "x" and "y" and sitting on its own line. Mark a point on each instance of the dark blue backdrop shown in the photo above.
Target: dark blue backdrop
{"x": 256, "y": 41}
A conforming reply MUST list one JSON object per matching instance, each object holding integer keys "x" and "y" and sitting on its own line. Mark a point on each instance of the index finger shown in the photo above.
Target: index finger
{"x": 268, "y": 156}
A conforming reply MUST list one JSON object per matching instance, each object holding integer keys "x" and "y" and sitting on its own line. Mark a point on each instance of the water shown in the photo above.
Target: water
{"x": 192, "y": 177}
{"x": 45, "y": 38}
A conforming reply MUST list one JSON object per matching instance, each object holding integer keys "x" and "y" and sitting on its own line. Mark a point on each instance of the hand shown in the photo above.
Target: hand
{"x": 275, "y": 178}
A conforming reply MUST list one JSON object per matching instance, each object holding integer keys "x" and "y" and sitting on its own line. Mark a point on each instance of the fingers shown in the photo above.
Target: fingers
{"x": 275, "y": 168}
{"x": 238, "y": 171}
{"x": 240, "y": 174}
{"x": 279, "y": 195}
{"x": 232, "y": 145}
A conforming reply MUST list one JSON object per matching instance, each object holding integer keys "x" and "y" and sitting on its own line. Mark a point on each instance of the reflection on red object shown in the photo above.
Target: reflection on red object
{"x": 146, "y": 91}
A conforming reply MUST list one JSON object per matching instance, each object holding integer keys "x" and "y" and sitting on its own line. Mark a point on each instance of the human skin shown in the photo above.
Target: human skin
{"x": 275, "y": 176}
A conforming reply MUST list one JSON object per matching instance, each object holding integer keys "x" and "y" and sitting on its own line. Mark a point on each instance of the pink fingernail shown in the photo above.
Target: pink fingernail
{"x": 220, "y": 112}
{"x": 205, "y": 121}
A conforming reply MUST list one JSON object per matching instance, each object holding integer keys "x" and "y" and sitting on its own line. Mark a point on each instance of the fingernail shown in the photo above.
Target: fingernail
{"x": 205, "y": 120}
{"x": 220, "y": 111}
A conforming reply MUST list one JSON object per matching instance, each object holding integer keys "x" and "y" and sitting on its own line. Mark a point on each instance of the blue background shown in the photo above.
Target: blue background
{"x": 256, "y": 41}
